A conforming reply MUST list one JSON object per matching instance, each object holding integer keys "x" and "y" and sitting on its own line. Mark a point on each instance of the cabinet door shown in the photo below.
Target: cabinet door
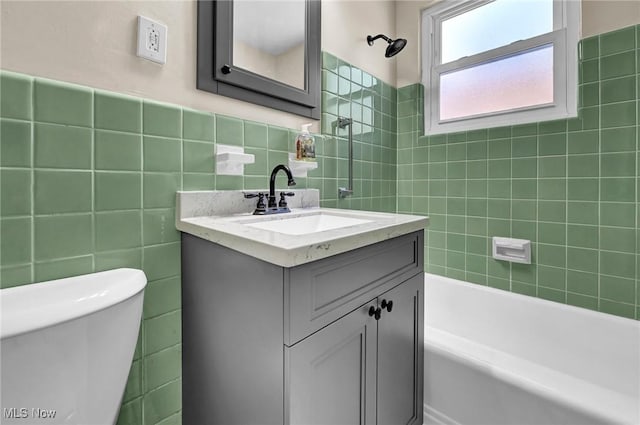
{"x": 400, "y": 355}
{"x": 331, "y": 375}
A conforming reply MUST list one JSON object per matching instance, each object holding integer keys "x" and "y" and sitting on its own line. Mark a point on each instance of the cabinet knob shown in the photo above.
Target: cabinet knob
{"x": 226, "y": 69}
{"x": 375, "y": 312}
{"x": 387, "y": 304}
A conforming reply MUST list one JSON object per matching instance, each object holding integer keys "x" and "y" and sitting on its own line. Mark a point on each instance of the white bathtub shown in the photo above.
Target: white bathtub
{"x": 494, "y": 357}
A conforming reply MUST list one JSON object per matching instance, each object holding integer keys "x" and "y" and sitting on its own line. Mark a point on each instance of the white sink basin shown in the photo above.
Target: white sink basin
{"x": 307, "y": 224}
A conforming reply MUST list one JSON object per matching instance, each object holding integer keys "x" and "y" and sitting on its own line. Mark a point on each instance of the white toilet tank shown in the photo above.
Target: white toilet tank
{"x": 66, "y": 347}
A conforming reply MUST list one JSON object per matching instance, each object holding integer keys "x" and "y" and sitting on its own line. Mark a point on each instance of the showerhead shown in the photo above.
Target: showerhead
{"x": 394, "y": 46}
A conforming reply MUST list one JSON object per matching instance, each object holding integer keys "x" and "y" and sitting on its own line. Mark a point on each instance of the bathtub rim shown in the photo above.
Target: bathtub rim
{"x": 540, "y": 389}
{"x": 585, "y": 403}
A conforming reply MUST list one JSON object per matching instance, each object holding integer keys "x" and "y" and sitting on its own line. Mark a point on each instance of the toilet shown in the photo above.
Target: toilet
{"x": 66, "y": 347}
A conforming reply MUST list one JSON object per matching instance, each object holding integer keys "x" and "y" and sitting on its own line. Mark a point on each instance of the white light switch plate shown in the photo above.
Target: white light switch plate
{"x": 152, "y": 40}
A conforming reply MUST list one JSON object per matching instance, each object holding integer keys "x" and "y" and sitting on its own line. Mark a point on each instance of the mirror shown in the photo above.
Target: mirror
{"x": 273, "y": 47}
{"x": 261, "y": 51}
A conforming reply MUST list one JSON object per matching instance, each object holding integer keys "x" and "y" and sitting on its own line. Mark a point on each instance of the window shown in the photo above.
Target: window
{"x": 487, "y": 63}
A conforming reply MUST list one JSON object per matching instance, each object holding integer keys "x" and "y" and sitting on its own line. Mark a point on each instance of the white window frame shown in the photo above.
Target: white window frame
{"x": 564, "y": 38}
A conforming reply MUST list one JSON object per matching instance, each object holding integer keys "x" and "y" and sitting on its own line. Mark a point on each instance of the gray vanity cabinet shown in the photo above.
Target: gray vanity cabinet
{"x": 358, "y": 370}
{"x": 264, "y": 344}
{"x": 332, "y": 374}
{"x": 400, "y": 355}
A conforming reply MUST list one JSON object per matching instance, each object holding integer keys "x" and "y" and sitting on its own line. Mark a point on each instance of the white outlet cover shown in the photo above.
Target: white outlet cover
{"x": 152, "y": 40}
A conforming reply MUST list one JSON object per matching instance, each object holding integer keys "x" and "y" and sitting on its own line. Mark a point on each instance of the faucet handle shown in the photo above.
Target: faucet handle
{"x": 260, "y": 207}
{"x": 283, "y": 201}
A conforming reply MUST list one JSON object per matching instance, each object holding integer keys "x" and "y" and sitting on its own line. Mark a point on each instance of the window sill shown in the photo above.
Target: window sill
{"x": 527, "y": 117}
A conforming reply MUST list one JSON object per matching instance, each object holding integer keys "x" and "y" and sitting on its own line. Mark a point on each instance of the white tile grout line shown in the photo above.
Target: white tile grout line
{"x": 93, "y": 181}
{"x": 566, "y": 214}
{"x": 33, "y": 177}
{"x": 637, "y": 306}
{"x": 599, "y": 106}
{"x": 538, "y": 209}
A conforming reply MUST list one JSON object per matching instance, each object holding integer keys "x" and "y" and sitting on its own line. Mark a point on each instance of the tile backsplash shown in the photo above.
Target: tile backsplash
{"x": 571, "y": 186}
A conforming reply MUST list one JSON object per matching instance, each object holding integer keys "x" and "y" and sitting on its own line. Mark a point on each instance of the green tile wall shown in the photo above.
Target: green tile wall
{"x": 348, "y": 91}
{"x": 88, "y": 181}
{"x": 571, "y": 186}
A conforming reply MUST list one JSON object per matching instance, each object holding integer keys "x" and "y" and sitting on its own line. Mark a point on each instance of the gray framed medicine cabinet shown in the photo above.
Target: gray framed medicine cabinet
{"x": 263, "y": 52}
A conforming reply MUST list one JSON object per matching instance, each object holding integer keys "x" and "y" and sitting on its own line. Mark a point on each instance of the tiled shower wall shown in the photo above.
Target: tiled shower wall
{"x": 88, "y": 181}
{"x": 570, "y": 186}
{"x": 350, "y": 92}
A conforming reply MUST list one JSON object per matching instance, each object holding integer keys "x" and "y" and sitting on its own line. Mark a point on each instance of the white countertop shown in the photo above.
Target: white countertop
{"x": 279, "y": 248}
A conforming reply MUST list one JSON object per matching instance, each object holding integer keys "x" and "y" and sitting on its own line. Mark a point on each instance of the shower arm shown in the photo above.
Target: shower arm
{"x": 343, "y": 192}
{"x": 371, "y": 39}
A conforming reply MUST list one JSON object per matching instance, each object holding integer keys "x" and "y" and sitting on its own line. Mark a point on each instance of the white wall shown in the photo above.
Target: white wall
{"x": 345, "y": 26}
{"x": 598, "y": 16}
{"x": 94, "y": 42}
